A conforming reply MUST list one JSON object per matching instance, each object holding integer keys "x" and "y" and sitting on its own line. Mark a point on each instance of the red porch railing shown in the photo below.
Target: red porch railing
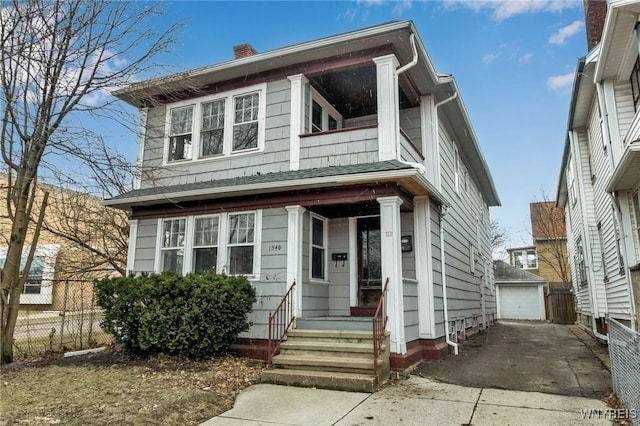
{"x": 279, "y": 322}
{"x": 379, "y": 326}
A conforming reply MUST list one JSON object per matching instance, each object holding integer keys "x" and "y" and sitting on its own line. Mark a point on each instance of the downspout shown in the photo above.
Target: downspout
{"x": 443, "y": 213}
{"x": 412, "y": 40}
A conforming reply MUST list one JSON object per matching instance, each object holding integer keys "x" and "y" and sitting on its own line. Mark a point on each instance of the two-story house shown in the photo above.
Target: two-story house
{"x": 339, "y": 164}
{"x": 600, "y": 174}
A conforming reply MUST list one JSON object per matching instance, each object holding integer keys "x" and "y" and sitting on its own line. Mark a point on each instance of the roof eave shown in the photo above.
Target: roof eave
{"x": 287, "y": 185}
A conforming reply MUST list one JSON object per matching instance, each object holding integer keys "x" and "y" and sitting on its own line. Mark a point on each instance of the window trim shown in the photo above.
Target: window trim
{"x": 525, "y": 252}
{"x": 229, "y": 125}
{"x": 325, "y": 243}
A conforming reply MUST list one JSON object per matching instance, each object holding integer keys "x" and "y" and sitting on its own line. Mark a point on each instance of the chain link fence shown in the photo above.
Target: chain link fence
{"x": 58, "y": 316}
{"x": 624, "y": 352}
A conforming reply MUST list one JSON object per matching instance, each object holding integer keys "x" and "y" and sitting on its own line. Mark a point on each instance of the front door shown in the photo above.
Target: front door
{"x": 369, "y": 262}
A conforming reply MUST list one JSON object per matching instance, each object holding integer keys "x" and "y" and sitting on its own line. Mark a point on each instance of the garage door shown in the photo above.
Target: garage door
{"x": 520, "y": 303}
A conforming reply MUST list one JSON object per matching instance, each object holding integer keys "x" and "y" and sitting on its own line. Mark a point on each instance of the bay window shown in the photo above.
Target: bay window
{"x": 215, "y": 126}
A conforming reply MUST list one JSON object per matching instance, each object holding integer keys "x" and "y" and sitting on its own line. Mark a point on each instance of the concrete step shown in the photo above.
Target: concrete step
{"x": 321, "y": 379}
{"x": 335, "y": 323}
{"x": 346, "y": 336}
{"x": 325, "y": 363}
{"x": 312, "y": 345}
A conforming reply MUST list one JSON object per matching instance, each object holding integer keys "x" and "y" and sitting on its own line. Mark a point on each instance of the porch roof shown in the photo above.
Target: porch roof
{"x": 407, "y": 175}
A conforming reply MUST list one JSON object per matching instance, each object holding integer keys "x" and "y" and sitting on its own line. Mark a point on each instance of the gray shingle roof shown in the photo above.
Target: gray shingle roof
{"x": 275, "y": 178}
{"x": 502, "y": 271}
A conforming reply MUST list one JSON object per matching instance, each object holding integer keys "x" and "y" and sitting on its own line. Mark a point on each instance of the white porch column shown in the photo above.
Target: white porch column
{"x": 430, "y": 140}
{"x": 294, "y": 254}
{"x": 424, "y": 267}
{"x": 392, "y": 269}
{"x": 298, "y": 83}
{"x": 131, "y": 252}
{"x": 388, "y": 107}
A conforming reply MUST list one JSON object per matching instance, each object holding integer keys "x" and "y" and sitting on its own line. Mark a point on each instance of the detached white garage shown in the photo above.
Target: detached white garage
{"x": 519, "y": 294}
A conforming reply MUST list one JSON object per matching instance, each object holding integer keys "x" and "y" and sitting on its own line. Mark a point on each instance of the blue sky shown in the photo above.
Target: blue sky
{"x": 513, "y": 61}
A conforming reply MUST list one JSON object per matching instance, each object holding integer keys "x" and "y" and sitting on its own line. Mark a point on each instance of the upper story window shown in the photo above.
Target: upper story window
{"x": 323, "y": 115}
{"x": 219, "y": 125}
{"x": 635, "y": 83}
{"x": 456, "y": 169}
{"x": 525, "y": 259}
{"x": 180, "y": 134}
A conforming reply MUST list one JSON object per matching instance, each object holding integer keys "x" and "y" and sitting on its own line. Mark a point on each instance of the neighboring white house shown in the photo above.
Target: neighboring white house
{"x": 600, "y": 175}
{"x": 338, "y": 164}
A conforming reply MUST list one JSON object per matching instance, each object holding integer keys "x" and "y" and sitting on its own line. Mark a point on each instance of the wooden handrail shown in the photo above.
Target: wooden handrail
{"x": 379, "y": 323}
{"x": 279, "y": 322}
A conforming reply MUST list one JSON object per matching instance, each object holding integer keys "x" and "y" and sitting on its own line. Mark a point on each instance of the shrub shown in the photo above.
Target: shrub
{"x": 195, "y": 316}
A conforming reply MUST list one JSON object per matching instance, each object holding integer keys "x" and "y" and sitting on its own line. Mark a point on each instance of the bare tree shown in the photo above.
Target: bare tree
{"x": 57, "y": 63}
{"x": 497, "y": 235}
{"x": 549, "y": 233}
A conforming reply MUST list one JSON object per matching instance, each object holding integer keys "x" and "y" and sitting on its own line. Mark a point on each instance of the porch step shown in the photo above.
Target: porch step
{"x": 346, "y": 364}
{"x": 321, "y": 379}
{"x": 335, "y": 323}
{"x": 328, "y": 358}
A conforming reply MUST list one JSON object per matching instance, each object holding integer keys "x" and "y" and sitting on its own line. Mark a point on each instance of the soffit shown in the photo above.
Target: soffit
{"x": 618, "y": 39}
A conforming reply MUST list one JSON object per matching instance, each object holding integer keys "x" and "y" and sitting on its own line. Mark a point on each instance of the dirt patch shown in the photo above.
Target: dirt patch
{"x": 109, "y": 388}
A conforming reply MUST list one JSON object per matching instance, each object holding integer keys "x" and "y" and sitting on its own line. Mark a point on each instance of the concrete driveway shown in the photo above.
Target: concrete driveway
{"x": 527, "y": 356}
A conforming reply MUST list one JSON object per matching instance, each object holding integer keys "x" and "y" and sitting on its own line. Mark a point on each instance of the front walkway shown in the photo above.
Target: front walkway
{"x": 416, "y": 401}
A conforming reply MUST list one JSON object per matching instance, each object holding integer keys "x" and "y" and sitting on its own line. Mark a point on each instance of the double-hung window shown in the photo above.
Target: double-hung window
{"x": 212, "y": 128}
{"x": 215, "y": 126}
{"x": 180, "y": 133}
{"x": 221, "y": 243}
{"x": 241, "y": 243}
{"x": 173, "y": 241}
{"x": 318, "y": 248}
{"x": 245, "y": 124}
{"x": 205, "y": 244}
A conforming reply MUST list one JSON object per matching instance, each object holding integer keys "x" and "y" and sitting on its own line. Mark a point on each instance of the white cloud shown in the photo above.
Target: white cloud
{"x": 487, "y": 58}
{"x": 561, "y": 36}
{"x": 402, "y": 6}
{"x": 559, "y": 82}
{"x": 526, "y": 58}
{"x": 504, "y": 9}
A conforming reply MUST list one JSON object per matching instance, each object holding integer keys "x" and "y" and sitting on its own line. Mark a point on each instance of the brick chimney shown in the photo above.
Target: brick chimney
{"x": 244, "y": 50}
{"x": 595, "y": 14}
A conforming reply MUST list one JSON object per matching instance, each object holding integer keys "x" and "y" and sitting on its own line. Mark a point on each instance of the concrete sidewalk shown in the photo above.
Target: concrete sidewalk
{"x": 416, "y": 401}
